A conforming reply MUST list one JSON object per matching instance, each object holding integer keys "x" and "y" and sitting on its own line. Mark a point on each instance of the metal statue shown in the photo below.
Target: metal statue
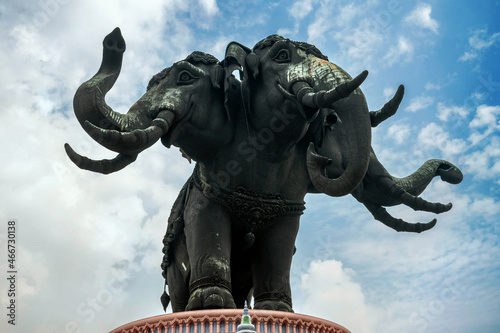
{"x": 292, "y": 123}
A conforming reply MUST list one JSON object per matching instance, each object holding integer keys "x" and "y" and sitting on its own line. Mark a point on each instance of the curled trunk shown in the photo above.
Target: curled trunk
{"x": 353, "y": 113}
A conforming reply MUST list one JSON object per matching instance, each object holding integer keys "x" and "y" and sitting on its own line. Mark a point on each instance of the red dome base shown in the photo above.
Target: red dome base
{"x": 225, "y": 321}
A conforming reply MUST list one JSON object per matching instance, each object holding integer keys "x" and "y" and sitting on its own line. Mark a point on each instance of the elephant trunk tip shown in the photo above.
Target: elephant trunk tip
{"x": 114, "y": 41}
{"x": 450, "y": 174}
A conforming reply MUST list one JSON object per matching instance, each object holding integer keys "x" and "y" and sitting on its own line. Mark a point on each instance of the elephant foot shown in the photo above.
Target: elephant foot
{"x": 273, "y": 305}
{"x": 210, "y": 298}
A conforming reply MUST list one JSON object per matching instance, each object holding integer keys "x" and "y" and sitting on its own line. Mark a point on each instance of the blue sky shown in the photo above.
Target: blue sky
{"x": 89, "y": 246}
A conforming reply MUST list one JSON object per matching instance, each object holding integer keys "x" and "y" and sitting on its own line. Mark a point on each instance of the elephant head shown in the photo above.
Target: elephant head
{"x": 294, "y": 78}
{"x": 379, "y": 188}
{"x": 183, "y": 103}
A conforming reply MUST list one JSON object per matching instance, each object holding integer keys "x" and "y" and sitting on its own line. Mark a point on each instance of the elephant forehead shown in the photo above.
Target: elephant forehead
{"x": 317, "y": 71}
{"x": 166, "y": 99}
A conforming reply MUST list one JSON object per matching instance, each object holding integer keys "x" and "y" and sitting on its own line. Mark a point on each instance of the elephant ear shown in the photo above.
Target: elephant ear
{"x": 323, "y": 127}
{"x": 216, "y": 75}
{"x": 330, "y": 143}
{"x": 238, "y": 57}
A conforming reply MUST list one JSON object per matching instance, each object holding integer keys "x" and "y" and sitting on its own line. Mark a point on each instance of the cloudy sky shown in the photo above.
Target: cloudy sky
{"x": 89, "y": 245}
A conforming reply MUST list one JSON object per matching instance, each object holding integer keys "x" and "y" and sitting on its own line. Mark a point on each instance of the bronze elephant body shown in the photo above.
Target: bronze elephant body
{"x": 293, "y": 123}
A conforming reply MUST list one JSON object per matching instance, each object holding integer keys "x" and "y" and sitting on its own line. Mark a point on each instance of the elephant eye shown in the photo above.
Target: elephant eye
{"x": 185, "y": 77}
{"x": 282, "y": 56}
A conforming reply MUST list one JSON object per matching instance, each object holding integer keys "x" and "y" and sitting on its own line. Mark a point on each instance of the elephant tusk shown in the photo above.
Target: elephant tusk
{"x": 134, "y": 141}
{"x": 306, "y": 95}
{"x": 389, "y": 109}
{"x": 101, "y": 166}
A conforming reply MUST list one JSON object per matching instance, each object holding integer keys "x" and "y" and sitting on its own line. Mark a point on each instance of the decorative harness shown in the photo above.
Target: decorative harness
{"x": 255, "y": 210}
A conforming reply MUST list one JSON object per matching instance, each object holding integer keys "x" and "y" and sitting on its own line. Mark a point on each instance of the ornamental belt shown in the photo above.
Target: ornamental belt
{"x": 255, "y": 210}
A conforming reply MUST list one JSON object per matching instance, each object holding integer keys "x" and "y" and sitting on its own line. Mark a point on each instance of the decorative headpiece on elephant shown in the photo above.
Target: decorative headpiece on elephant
{"x": 179, "y": 106}
{"x": 379, "y": 188}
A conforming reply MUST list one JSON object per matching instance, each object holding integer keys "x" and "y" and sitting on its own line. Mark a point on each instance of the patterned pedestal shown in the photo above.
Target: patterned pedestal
{"x": 226, "y": 321}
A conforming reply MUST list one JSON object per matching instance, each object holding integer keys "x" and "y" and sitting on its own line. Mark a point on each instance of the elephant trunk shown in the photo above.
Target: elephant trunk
{"x": 417, "y": 182}
{"x": 105, "y": 125}
{"x": 89, "y": 101}
{"x": 350, "y": 105}
{"x": 353, "y": 113}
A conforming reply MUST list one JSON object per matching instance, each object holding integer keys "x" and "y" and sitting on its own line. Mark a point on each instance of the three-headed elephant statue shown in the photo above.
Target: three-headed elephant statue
{"x": 260, "y": 146}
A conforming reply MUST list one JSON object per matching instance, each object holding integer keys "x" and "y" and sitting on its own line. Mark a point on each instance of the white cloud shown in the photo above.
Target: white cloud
{"x": 359, "y": 44}
{"x": 478, "y": 42}
{"x": 332, "y": 293}
{"x": 399, "y": 132}
{"x": 403, "y": 51}
{"x": 298, "y": 11}
{"x": 210, "y": 7}
{"x": 486, "y": 116}
{"x": 301, "y": 9}
{"x": 485, "y": 122}
{"x": 421, "y": 17}
{"x": 419, "y": 103}
{"x": 389, "y": 92}
{"x": 432, "y": 86}
{"x": 483, "y": 163}
{"x": 445, "y": 112}
{"x": 468, "y": 56}
{"x": 435, "y": 136}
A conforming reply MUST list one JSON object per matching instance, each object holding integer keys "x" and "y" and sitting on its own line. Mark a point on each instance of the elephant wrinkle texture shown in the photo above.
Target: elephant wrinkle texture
{"x": 293, "y": 123}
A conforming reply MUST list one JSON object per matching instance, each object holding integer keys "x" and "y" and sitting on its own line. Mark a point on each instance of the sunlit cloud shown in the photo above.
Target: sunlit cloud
{"x": 403, "y": 51}
{"x": 479, "y": 42}
{"x": 419, "y": 103}
{"x": 342, "y": 299}
{"x": 421, "y": 17}
{"x": 445, "y": 112}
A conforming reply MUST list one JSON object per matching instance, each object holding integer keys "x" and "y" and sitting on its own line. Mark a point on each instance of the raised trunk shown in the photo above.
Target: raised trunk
{"x": 107, "y": 126}
{"x": 89, "y": 101}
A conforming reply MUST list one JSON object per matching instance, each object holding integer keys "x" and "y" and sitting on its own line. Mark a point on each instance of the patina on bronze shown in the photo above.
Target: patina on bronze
{"x": 293, "y": 123}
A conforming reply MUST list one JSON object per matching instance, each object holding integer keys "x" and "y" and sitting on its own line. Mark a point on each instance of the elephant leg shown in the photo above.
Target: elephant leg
{"x": 381, "y": 214}
{"x": 178, "y": 288}
{"x": 271, "y": 260}
{"x": 207, "y": 228}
